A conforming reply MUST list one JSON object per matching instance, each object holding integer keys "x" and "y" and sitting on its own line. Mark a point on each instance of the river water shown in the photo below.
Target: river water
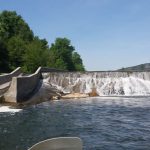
{"x": 107, "y": 123}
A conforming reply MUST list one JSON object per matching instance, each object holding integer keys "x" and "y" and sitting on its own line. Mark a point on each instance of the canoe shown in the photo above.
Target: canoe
{"x": 60, "y": 143}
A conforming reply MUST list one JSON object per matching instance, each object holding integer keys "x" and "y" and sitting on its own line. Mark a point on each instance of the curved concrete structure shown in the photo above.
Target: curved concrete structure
{"x": 6, "y": 79}
{"x": 23, "y": 87}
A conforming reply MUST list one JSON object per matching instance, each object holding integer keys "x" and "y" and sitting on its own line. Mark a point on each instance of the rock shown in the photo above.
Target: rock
{"x": 55, "y": 97}
{"x": 93, "y": 93}
{"x": 74, "y": 95}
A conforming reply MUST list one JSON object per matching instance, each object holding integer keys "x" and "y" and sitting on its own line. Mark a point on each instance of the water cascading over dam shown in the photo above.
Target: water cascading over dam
{"x": 105, "y": 83}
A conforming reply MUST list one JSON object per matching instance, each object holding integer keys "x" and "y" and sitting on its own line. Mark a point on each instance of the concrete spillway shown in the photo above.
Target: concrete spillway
{"x": 105, "y": 83}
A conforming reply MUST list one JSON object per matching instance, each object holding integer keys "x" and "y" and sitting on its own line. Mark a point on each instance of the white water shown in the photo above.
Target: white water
{"x": 8, "y": 109}
{"x": 105, "y": 83}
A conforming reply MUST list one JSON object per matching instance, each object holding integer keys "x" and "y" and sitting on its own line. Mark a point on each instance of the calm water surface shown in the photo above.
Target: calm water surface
{"x": 102, "y": 123}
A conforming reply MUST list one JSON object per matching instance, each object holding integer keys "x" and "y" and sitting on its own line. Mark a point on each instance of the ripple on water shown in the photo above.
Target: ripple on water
{"x": 102, "y": 123}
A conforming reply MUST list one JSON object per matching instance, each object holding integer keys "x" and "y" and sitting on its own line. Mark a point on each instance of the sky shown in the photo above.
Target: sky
{"x": 108, "y": 34}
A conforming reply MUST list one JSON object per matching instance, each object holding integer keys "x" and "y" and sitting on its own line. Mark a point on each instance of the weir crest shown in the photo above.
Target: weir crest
{"x": 104, "y": 83}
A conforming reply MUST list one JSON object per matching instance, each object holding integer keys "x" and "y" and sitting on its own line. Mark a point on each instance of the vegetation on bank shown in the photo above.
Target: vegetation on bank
{"x": 20, "y": 47}
{"x": 141, "y": 67}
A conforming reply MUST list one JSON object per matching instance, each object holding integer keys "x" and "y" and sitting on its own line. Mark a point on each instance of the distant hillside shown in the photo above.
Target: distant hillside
{"x": 142, "y": 67}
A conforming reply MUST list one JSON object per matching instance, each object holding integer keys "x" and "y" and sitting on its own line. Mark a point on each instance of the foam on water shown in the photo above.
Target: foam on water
{"x": 8, "y": 109}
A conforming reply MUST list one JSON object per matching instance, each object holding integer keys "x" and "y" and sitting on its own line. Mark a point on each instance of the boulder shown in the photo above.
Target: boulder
{"x": 93, "y": 93}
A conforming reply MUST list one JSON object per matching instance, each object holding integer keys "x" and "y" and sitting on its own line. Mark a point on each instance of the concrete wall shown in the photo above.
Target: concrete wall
{"x": 4, "y": 89}
{"x": 8, "y": 77}
{"x": 11, "y": 94}
{"x": 27, "y": 84}
{"x": 22, "y": 87}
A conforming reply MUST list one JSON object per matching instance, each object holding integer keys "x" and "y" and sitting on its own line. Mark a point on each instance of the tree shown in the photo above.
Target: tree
{"x": 122, "y": 69}
{"x": 62, "y": 56}
{"x": 19, "y": 47}
{"x": 60, "y": 64}
{"x": 61, "y": 51}
{"x": 16, "y": 49}
{"x": 77, "y": 61}
{"x": 14, "y": 35}
{"x": 142, "y": 67}
{"x": 12, "y": 24}
{"x": 35, "y": 55}
{"x": 3, "y": 58}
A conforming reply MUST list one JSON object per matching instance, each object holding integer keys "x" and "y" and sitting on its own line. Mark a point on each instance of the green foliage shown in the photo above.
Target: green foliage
{"x": 122, "y": 69}
{"x": 12, "y": 24}
{"x": 19, "y": 47}
{"x": 14, "y": 35}
{"x": 3, "y": 57}
{"x": 16, "y": 49}
{"x": 62, "y": 56}
{"x": 60, "y": 64}
{"x": 142, "y": 67}
{"x": 61, "y": 51}
{"x": 77, "y": 61}
{"x": 35, "y": 55}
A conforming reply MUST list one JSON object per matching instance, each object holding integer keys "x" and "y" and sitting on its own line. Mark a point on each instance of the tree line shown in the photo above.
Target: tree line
{"x": 20, "y": 47}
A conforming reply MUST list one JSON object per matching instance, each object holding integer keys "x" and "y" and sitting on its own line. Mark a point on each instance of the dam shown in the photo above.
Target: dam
{"x": 104, "y": 83}
{"x": 48, "y": 82}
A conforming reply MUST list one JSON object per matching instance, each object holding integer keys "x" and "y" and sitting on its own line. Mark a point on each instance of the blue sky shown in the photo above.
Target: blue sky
{"x": 108, "y": 34}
